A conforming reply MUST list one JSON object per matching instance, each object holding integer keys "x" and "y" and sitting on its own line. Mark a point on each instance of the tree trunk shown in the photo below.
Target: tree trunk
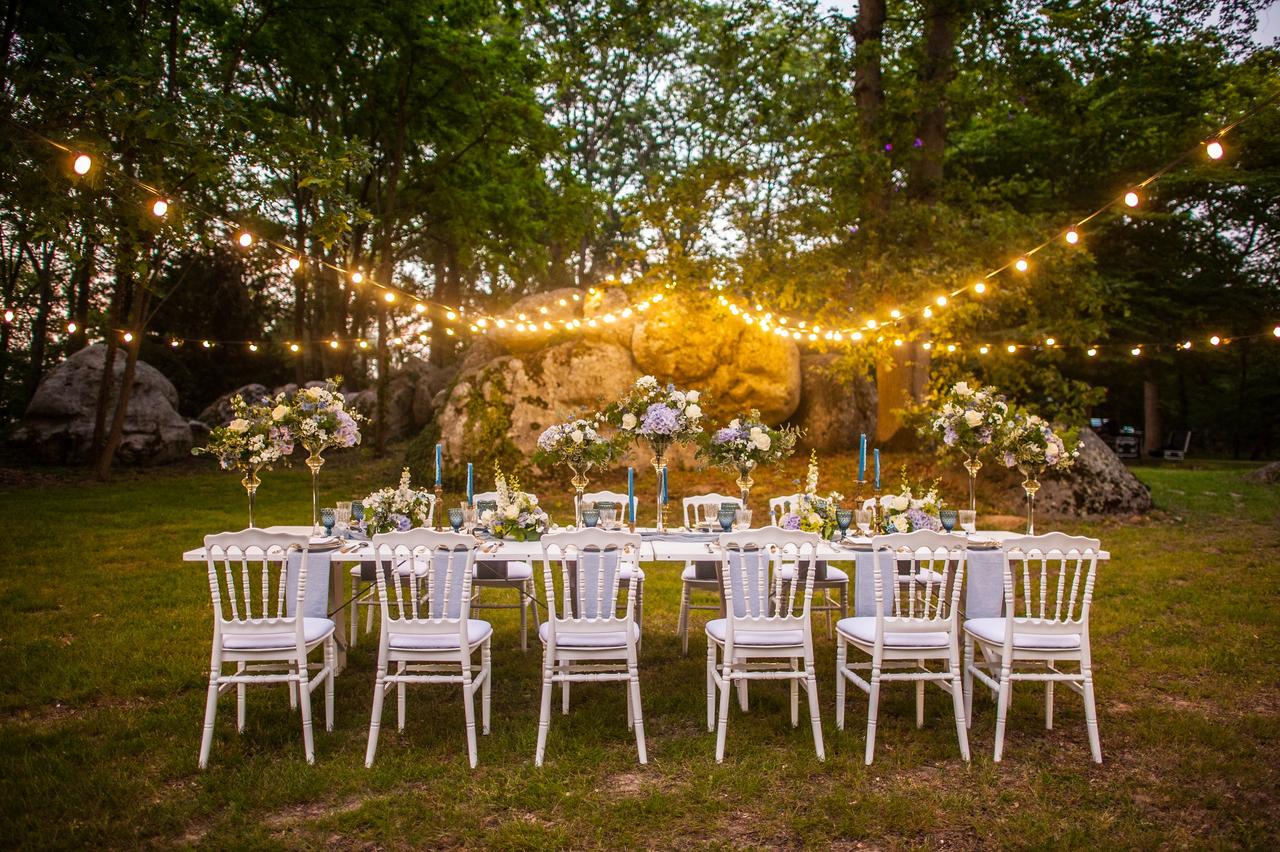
{"x": 1153, "y": 433}
{"x": 43, "y": 267}
{"x": 78, "y": 295}
{"x": 937, "y": 70}
{"x": 868, "y": 93}
{"x": 137, "y": 313}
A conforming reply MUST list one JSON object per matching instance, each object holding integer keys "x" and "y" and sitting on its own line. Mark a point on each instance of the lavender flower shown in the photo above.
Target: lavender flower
{"x": 402, "y": 522}
{"x": 659, "y": 420}
{"x": 921, "y": 520}
{"x": 791, "y": 522}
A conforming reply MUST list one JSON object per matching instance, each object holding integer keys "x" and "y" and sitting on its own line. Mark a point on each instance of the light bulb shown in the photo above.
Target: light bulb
{"x": 1135, "y": 351}
{"x": 542, "y": 310}
{"x": 357, "y": 277}
{"x": 175, "y": 343}
{"x": 128, "y": 337}
{"x": 293, "y": 347}
{"x": 941, "y": 301}
{"x": 928, "y": 312}
{"x": 1214, "y": 150}
{"x": 898, "y": 342}
{"x": 1021, "y": 264}
{"x": 563, "y": 303}
{"x": 951, "y": 347}
{"x": 8, "y": 316}
{"x": 449, "y": 332}
{"x": 82, "y": 164}
{"x": 1215, "y": 340}
{"x": 983, "y": 350}
{"x": 1131, "y": 199}
{"x": 1186, "y": 344}
{"x": 857, "y": 335}
{"x": 980, "y": 287}
{"x": 1276, "y": 331}
{"x": 1091, "y": 352}
{"x": 813, "y": 336}
{"x": 333, "y": 344}
{"x": 450, "y": 315}
{"x": 871, "y": 324}
{"x": 895, "y": 313}
{"x": 388, "y": 297}
{"x": 206, "y": 344}
{"x": 1072, "y": 237}
{"x": 71, "y": 328}
{"x": 1049, "y": 341}
{"x": 1011, "y": 348}
{"x": 294, "y": 264}
{"x": 364, "y": 344}
{"x": 926, "y": 346}
{"x": 159, "y": 207}
{"x": 253, "y": 347}
{"x": 245, "y": 239}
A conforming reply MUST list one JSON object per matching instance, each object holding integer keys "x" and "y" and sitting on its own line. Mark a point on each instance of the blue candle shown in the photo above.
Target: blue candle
{"x": 665, "y": 499}
{"x": 862, "y": 458}
{"x": 438, "y": 451}
{"x": 631, "y": 492}
{"x": 877, "y": 468}
{"x": 471, "y": 489}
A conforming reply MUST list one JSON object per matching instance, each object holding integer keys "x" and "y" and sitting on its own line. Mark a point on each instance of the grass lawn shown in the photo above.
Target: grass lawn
{"x": 104, "y": 639}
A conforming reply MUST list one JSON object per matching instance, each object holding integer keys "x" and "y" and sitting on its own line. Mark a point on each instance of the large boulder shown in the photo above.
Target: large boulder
{"x": 1268, "y": 474}
{"x": 1097, "y": 484}
{"x": 219, "y": 413}
{"x": 736, "y": 364}
{"x": 835, "y": 407}
{"x": 58, "y": 424}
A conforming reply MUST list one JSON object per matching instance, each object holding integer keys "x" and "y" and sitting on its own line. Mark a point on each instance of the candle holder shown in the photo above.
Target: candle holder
{"x": 660, "y": 468}
{"x": 315, "y": 461}
{"x": 745, "y": 482}
{"x": 876, "y": 511}
{"x": 973, "y": 464}
{"x": 439, "y": 507}
{"x": 1031, "y": 485}
{"x": 579, "y": 482}
{"x": 251, "y": 483}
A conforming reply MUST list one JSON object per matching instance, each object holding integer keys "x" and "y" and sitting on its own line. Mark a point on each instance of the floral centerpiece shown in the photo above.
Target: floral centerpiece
{"x": 518, "y": 516}
{"x": 1030, "y": 444}
{"x": 320, "y": 420}
{"x": 816, "y": 513}
{"x": 659, "y": 416}
{"x": 970, "y": 420}
{"x": 397, "y": 509}
{"x": 578, "y": 445}
{"x": 251, "y": 442}
{"x": 747, "y": 443}
{"x": 912, "y": 508}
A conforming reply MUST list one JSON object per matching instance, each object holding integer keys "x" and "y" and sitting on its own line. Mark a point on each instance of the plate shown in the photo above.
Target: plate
{"x": 983, "y": 544}
{"x": 325, "y": 543}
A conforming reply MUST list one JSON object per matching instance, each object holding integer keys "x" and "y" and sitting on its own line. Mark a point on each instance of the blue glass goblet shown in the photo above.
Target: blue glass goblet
{"x": 844, "y": 518}
{"x": 327, "y": 518}
{"x": 590, "y": 517}
{"x": 948, "y": 517}
{"x": 726, "y": 517}
{"x": 455, "y": 518}
{"x": 357, "y": 511}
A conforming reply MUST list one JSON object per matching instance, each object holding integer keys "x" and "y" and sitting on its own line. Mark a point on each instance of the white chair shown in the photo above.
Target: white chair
{"x": 765, "y": 635}
{"x": 253, "y": 629}
{"x": 364, "y": 588}
{"x": 1053, "y": 595}
{"x": 502, "y": 574}
{"x": 586, "y": 640}
{"x": 915, "y": 623}
{"x": 429, "y": 637}
{"x": 611, "y": 497}
{"x": 836, "y": 579}
{"x": 702, "y": 509}
{"x": 621, "y": 499}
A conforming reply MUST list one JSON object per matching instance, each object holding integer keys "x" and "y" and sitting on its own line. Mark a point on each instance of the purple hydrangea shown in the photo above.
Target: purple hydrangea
{"x": 791, "y": 521}
{"x": 725, "y": 435}
{"x": 347, "y": 433}
{"x": 949, "y": 436}
{"x": 922, "y": 520}
{"x": 659, "y": 419}
{"x": 402, "y": 522}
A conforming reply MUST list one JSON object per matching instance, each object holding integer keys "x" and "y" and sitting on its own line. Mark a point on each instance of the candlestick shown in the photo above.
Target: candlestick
{"x": 862, "y": 457}
{"x": 877, "y": 469}
{"x": 439, "y": 503}
{"x": 439, "y": 450}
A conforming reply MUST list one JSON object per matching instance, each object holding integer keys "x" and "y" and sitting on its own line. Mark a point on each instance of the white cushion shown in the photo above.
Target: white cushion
{"x": 834, "y": 574}
{"x": 863, "y": 629}
{"x": 313, "y": 630}
{"x": 717, "y": 630}
{"x": 690, "y": 575}
{"x": 992, "y": 630}
{"x": 515, "y": 571}
{"x": 477, "y": 632}
{"x": 571, "y": 639}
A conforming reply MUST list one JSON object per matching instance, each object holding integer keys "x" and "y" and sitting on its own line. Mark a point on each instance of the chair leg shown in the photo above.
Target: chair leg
{"x": 828, "y": 605}
{"x": 1091, "y": 717}
{"x": 1048, "y": 705}
{"x": 400, "y": 687}
{"x": 723, "y": 723}
{"x": 524, "y": 616}
{"x": 210, "y": 713}
{"x": 1002, "y": 708}
{"x": 330, "y": 663}
{"x": 873, "y": 711}
{"x": 640, "y": 613}
{"x": 794, "y": 683}
{"x": 544, "y": 716}
{"x": 564, "y": 696}
{"x": 682, "y": 627}
{"x": 968, "y": 682}
{"x": 633, "y": 705}
{"x": 711, "y": 686}
{"x": 842, "y": 655}
{"x": 304, "y": 703}
{"x": 920, "y": 700}
{"x": 812, "y": 683}
{"x": 469, "y": 709}
{"x": 240, "y": 704}
{"x": 355, "y": 612}
{"x": 368, "y": 613}
{"x": 486, "y": 666}
{"x": 375, "y": 720}
{"x": 957, "y": 702}
{"x": 742, "y": 695}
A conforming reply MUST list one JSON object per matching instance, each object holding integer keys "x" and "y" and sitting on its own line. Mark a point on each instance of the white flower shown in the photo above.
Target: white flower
{"x": 761, "y": 440}
{"x": 646, "y": 382}
{"x": 511, "y": 511}
{"x": 628, "y": 421}
{"x": 973, "y": 418}
{"x": 693, "y": 412}
{"x": 734, "y": 423}
{"x": 677, "y": 399}
{"x": 900, "y": 503}
{"x": 963, "y": 389}
{"x": 279, "y": 412}
{"x": 238, "y": 425}
{"x": 692, "y": 396}
{"x": 576, "y": 435}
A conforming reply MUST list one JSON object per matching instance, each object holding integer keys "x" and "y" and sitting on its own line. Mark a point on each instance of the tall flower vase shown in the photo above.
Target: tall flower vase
{"x": 579, "y": 486}
{"x": 315, "y": 461}
{"x": 660, "y": 468}
{"x": 251, "y": 483}
{"x": 745, "y": 482}
{"x": 1030, "y": 485}
{"x": 973, "y": 464}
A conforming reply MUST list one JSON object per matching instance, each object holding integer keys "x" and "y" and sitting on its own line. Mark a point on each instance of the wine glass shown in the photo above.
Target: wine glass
{"x": 327, "y": 520}
{"x": 743, "y": 518}
{"x": 863, "y": 517}
{"x": 357, "y": 511}
{"x": 726, "y": 517}
{"x": 947, "y": 517}
{"x": 844, "y": 517}
{"x": 455, "y": 518}
{"x": 590, "y": 517}
{"x": 968, "y": 520}
{"x": 608, "y": 517}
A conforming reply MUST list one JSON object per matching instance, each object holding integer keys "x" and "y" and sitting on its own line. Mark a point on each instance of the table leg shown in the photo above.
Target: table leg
{"x": 337, "y": 594}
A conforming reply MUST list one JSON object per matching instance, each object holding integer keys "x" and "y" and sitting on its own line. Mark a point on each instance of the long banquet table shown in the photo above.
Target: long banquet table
{"x": 983, "y": 597}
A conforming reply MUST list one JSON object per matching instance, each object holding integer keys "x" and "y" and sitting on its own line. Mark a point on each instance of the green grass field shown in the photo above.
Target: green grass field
{"x": 104, "y": 639}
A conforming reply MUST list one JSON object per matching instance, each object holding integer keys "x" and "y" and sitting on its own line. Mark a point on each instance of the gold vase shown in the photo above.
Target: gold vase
{"x": 1030, "y": 485}
{"x": 660, "y": 468}
{"x": 973, "y": 464}
{"x": 251, "y": 483}
{"x": 745, "y": 482}
{"x": 315, "y": 461}
{"x": 579, "y": 482}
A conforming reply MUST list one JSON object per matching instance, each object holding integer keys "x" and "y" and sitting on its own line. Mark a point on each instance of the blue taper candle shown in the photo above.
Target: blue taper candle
{"x": 439, "y": 450}
{"x": 471, "y": 482}
{"x": 877, "y": 468}
{"x": 631, "y": 493}
{"x": 862, "y": 458}
{"x": 665, "y": 498}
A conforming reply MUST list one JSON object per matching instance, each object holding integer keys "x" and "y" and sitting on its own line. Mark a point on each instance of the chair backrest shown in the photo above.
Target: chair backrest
{"x": 491, "y": 496}
{"x": 779, "y": 506}
{"x": 442, "y": 561}
{"x": 1048, "y": 582}
{"x": 609, "y": 497}
{"x": 589, "y": 565}
{"x": 756, "y": 598}
{"x": 926, "y": 597}
{"x": 246, "y": 599}
{"x": 702, "y": 509}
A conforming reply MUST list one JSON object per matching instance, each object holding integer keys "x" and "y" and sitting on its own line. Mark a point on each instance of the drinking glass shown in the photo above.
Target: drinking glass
{"x": 864, "y": 519}
{"x": 968, "y": 520}
{"x": 844, "y": 517}
{"x": 455, "y": 518}
{"x": 468, "y": 514}
{"x": 342, "y": 518}
{"x": 357, "y": 511}
{"x": 948, "y": 519}
{"x": 743, "y": 517}
{"x": 608, "y": 517}
{"x": 590, "y": 517}
{"x": 327, "y": 519}
{"x": 726, "y": 517}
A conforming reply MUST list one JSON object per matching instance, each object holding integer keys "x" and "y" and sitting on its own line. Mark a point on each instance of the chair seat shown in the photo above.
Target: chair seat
{"x": 835, "y": 576}
{"x": 717, "y": 629}
{"x": 477, "y": 632}
{"x": 358, "y": 571}
{"x": 992, "y": 630}
{"x": 313, "y": 630}
{"x": 862, "y": 629}
{"x": 515, "y": 570}
{"x": 690, "y": 575}
{"x": 595, "y": 641}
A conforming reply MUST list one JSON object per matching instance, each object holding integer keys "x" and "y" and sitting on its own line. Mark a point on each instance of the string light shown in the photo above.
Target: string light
{"x": 159, "y": 207}
{"x": 175, "y": 343}
{"x": 253, "y": 347}
{"x": 927, "y": 312}
{"x": 420, "y": 308}
{"x": 1011, "y": 348}
{"x": 8, "y": 316}
{"x": 1135, "y": 351}
{"x": 71, "y": 328}
{"x": 364, "y": 344}
{"x": 980, "y": 287}
{"x": 1131, "y": 199}
{"x": 1072, "y": 237}
{"x": 388, "y": 297}
{"x": 1215, "y": 340}
{"x": 1021, "y": 264}
{"x": 1275, "y": 332}
{"x": 333, "y": 344}
{"x": 294, "y": 263}
{"x": 983, "y": 350}
{"x": 293, "y": 347}
{"x": 941, "y": 301}
{"x": 357, "y": 277}
{"x": 1049, "y": 341}
{"x": 245, "y": 239}
{"x": 206, "y": 344}
{"x": 1214, "y": 150}
{"x": 128, "y": 337}
{"x": 82, "y": 164}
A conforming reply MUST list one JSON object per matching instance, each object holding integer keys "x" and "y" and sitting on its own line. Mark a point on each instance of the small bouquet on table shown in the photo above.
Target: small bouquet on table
{"x": 578, "y": 445}
{"x": 518, "y": 517}
{"x": 816, "y": 513}
{"x": 397, "y": 509}
{"x": 320, "y": 420}
{"x": 251, "y": 442}
{"x": 1031, "y": 445}
{"x": 912, "y": 508}
{"x": 745, "y": 444}
{"x": 661, "y": 417}
{"x": 970, "y": 421}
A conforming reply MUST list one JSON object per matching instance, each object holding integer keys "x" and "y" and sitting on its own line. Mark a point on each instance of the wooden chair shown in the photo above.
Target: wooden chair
{"x": 429, "y": 637}
{"x": 586, "y": 640}
{"x": 701, "y": 509}
{"x": 1048, "y": 589}
{"x": 256, "y": 629}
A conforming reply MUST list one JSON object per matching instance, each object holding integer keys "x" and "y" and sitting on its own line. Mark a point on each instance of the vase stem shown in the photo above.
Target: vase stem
{"x": 251, "y": 483}
{"x": 973, "y": 464}
{"x": 660, "y": 467}
{"x": 745, "y": 482}
{"x": 315, "y": 461}
{"x": 580, "y": 482}
{"x": 1031, "y": 485}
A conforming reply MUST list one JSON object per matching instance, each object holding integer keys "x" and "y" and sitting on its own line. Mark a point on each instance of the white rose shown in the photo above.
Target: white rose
{"x": 693, "y": 412}
{"x": 628, "y": 421}
{"x": 962, "y": 389}
{"x": 576, "y": 435}
{"x": 734, "y": 423}
{"x": 692, "y": 396}
{"x": 901, "y": 503}
{"x": 973, "y": 418}
{"x": 761, "y": 440}
{"x": 279, "y": 412}
{"x": 486, "y": 516}
{"x": 677, "y": 399}
{"x": 238, "y": 425}
{"x": 511, "y": 512}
